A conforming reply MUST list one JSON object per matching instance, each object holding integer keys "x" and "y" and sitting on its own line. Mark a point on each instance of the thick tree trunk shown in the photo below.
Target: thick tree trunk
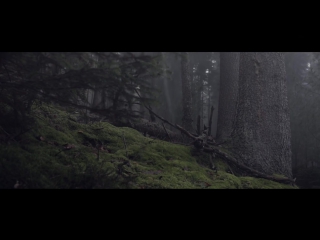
{"x": 261, "y": 137}
{"x": 229, "y": 78}
{"x": 186, "y": 92}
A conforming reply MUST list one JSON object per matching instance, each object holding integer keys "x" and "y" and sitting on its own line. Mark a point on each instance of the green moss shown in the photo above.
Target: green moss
{"x": 254, "y": 183}
{"x": 125, "y": 159}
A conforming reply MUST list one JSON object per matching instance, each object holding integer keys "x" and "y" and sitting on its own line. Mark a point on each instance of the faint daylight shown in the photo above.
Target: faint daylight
{"x": 159, "y": 120}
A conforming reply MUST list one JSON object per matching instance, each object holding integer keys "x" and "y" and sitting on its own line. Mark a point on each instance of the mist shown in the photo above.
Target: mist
{"x": 206, "y": 100}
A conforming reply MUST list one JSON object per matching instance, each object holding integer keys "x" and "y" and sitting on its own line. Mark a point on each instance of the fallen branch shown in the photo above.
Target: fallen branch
{"x": 176, "y": 126}
{"x": 150, "y": 110}
{"x": 252, "y": 172}
{"x": 186, "y": 132}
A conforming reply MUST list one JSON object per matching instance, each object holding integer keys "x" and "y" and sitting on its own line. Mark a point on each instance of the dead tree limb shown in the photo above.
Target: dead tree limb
{"x": 251, "y": 171}
{"x": 176, "y": 126}
{"x": 150, "y": 110}
{"x": 186, "y": 132}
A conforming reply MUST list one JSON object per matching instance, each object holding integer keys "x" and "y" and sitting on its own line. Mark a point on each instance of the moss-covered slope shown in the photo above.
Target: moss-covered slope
{"x": 59, "y": 152}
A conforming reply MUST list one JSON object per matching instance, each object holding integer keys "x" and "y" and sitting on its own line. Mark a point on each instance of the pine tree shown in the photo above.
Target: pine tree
{"x": 261, "y": 138}
{"x": 187, "y": 121}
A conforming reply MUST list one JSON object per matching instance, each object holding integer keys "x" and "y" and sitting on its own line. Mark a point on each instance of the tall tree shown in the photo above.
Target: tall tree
{"x": 186, "y": 92}
{"x": 300, "y": 105}
{"x": 166, "y": 95}
{"x": 261, "y": 138}
{"x": 229, "y": 79}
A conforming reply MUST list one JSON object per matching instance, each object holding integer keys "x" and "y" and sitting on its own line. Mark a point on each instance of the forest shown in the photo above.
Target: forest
{"x": 159, "y": 120}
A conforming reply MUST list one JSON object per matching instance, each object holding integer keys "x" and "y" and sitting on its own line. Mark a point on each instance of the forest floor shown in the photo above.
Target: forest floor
{"x": 61, "y": 153}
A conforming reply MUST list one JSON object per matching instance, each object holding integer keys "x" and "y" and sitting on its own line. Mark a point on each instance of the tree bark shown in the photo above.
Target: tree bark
{"x": 186, "y": 92}
{"x": 261, "y": 137}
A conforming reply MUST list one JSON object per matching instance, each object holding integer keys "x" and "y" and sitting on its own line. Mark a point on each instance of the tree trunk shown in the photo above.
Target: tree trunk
{"x": 97, "y": 98}
{"x": 229, "y": 78}
{"x": 261, "y": 137}
{"x": 165, "y": 82}
{"x": 186, "y": 92}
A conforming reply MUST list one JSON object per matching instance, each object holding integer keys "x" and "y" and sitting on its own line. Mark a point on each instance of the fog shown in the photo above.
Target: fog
{"x": 128, "y": 89}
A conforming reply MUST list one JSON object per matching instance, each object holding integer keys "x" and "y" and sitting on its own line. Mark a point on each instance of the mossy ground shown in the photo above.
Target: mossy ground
{"x": 59, "y": 152}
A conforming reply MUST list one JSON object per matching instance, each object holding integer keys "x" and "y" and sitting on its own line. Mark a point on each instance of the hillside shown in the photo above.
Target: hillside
{"x": 58, "y": 152}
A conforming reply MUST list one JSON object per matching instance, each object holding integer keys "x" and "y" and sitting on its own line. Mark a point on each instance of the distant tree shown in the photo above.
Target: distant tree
{"x": 205, "y": 85}
{"x": 300, "y": 102}
{"x": 172, "y": 89}
{"x": 67, "y": 78}
{"x": 168, "y": 111}
{"x": 229, "y": 80}
{"x": 187, "y": 121}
